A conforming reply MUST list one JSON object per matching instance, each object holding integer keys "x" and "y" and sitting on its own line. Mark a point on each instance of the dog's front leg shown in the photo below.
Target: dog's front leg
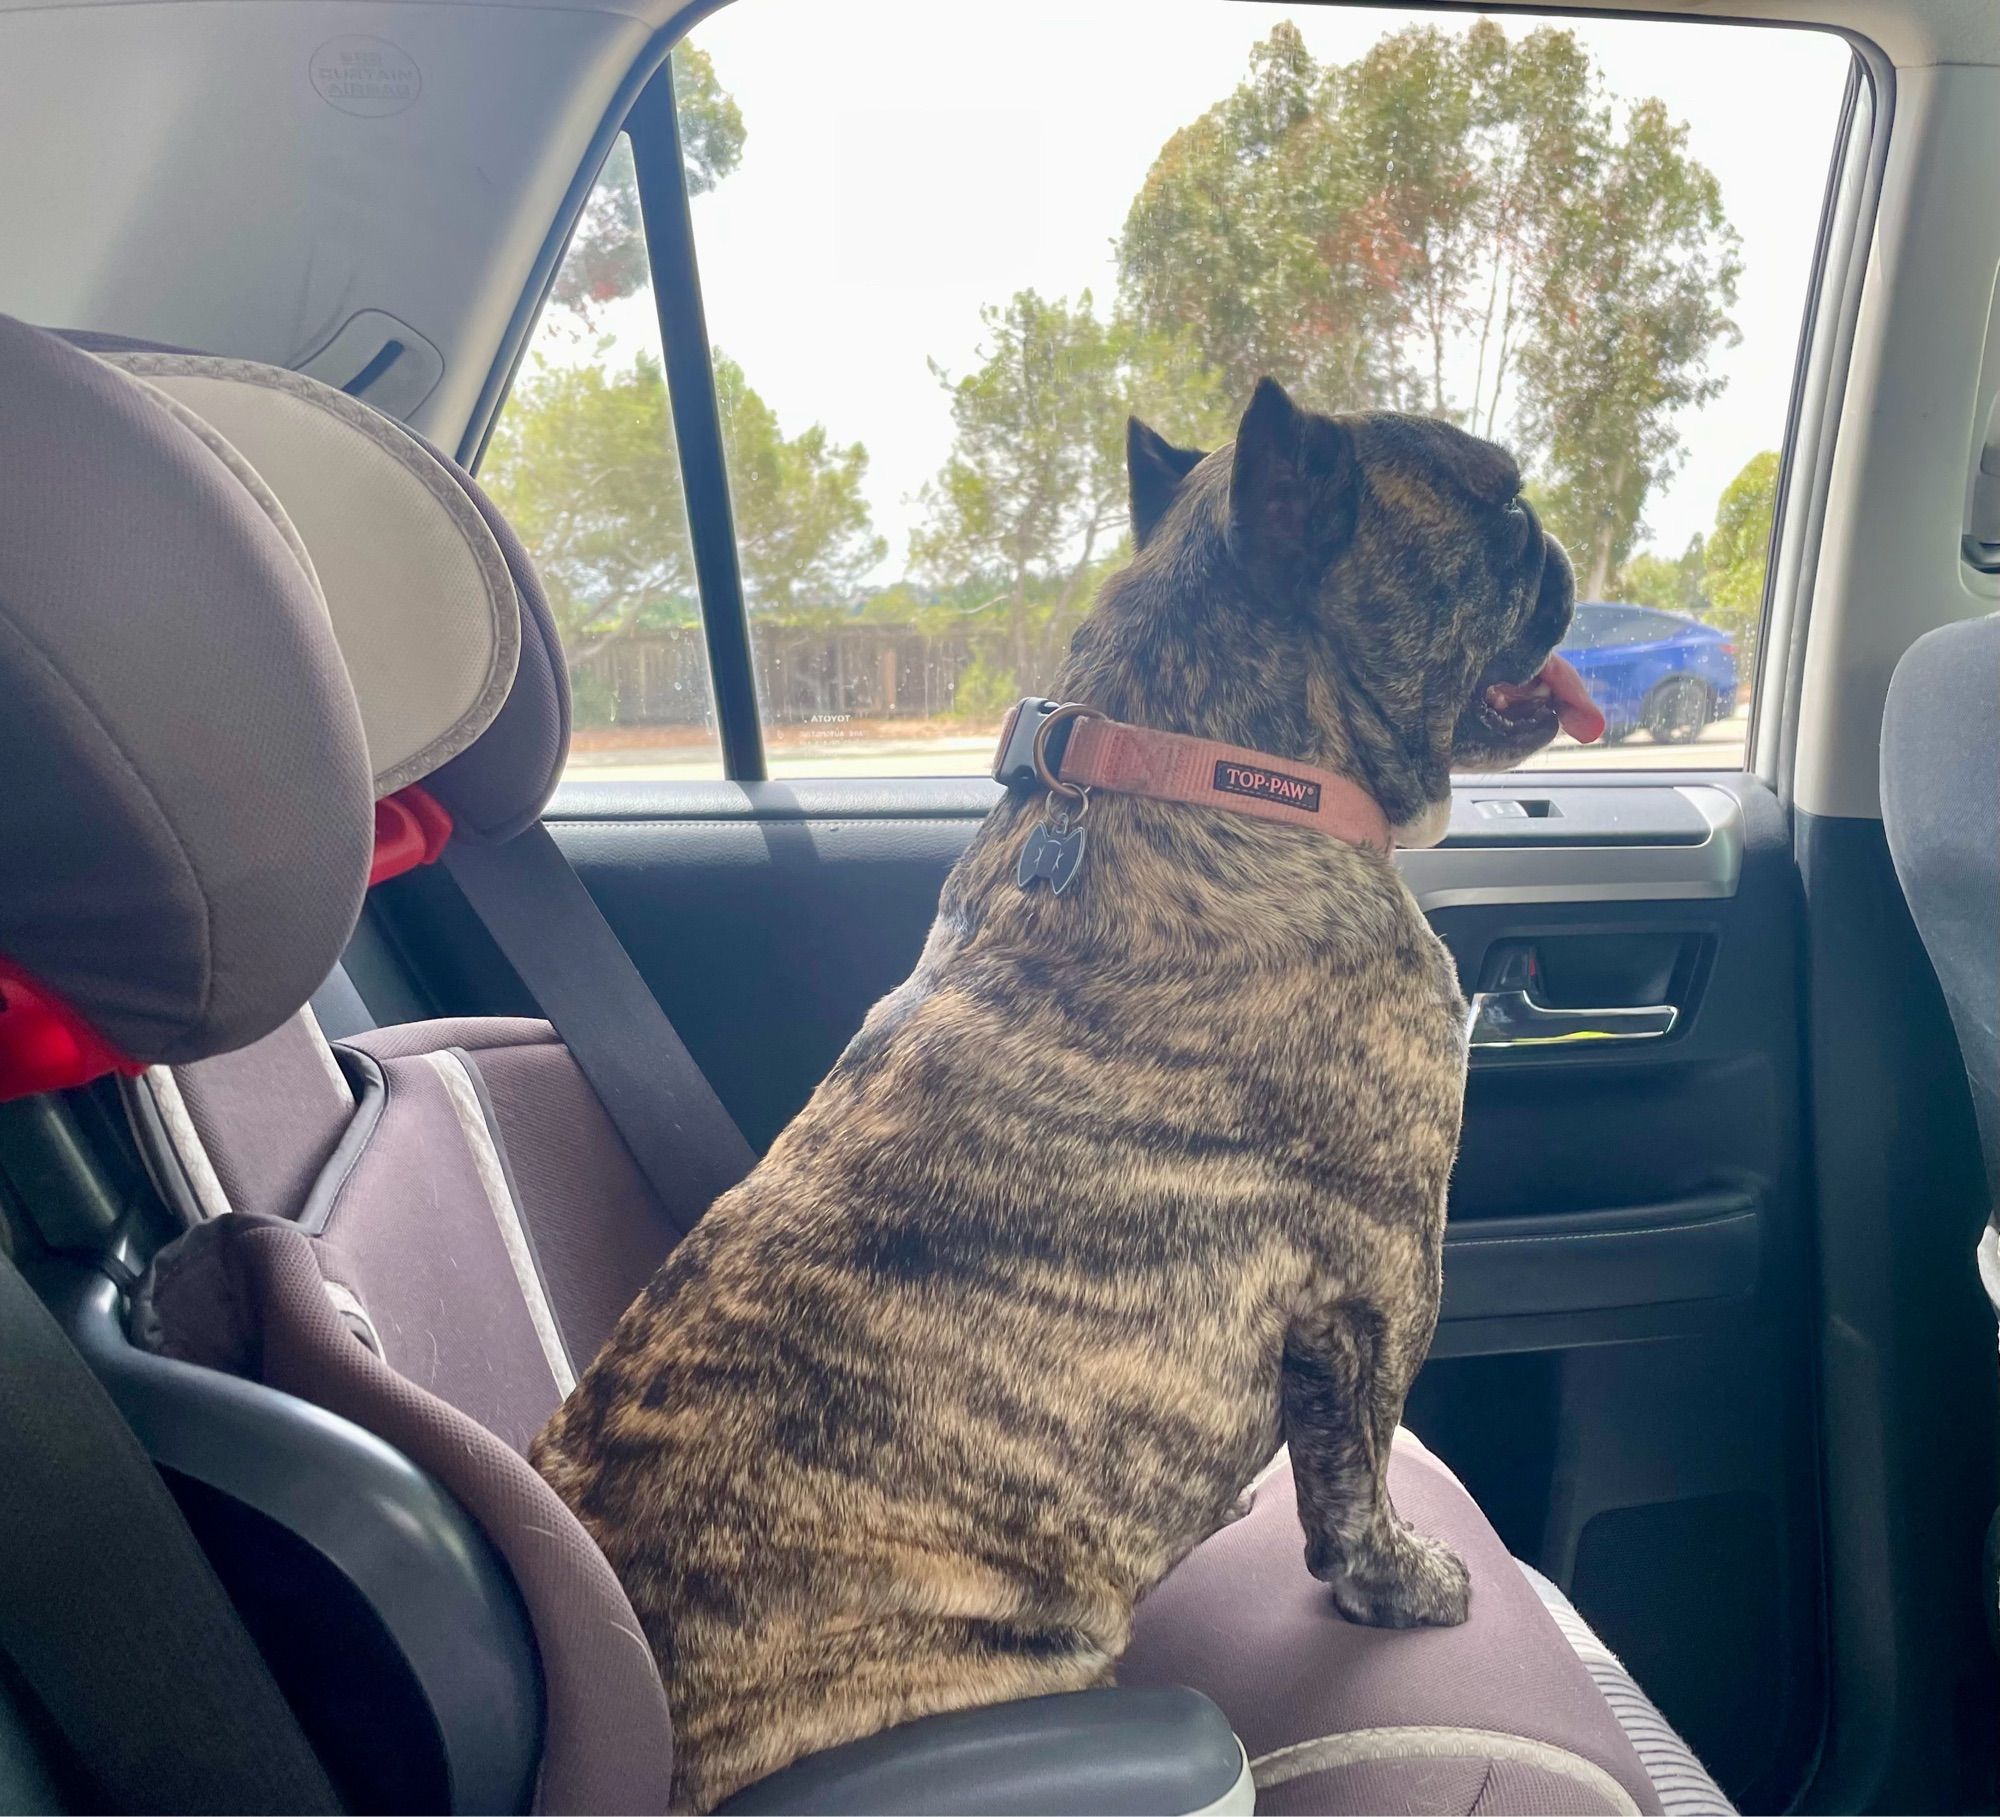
{"x": 1346, "y": 1371}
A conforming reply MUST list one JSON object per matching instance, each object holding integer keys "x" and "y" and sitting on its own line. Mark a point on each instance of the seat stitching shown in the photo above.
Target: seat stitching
{"x": 1599, "y": 1236}
{"x": 1420, "y": 1742}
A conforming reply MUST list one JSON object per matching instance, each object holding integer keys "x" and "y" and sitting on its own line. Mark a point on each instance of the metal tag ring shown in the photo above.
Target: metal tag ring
{"x": 1073, "y": 793}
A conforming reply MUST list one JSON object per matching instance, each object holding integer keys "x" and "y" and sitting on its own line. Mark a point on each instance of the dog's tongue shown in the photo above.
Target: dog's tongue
{"x": 1582, "y": 718}
{"x": 1559, "y": 684}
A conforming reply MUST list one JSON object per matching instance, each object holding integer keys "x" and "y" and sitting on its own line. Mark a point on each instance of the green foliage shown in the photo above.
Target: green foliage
{"x": 1641, "y": 269}
{"x": 1720, "y": 577}
{"x": 1353, "y": 229}
{"x": 583, "y": 460}
{"x": 1671, "y": 584}
{"x": 1455, "y": 221}
{"x": 606, "y": 259}
{"x": 1738, "y": 549}
{"x": 1255, "y": 233}
{"x": 985, "y": 690}
{"x": 711, "y": 124}
{"x": 1034, "y": 490}
{"x": 583, "y": 464}
{"x": 803, "y": 532}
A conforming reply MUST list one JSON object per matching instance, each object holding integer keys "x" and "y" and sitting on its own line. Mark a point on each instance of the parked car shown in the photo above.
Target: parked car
{"x": 1661, "y": 670}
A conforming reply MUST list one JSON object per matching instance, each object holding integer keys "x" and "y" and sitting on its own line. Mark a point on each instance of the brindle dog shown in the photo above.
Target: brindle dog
{"x": 1123, "y": 1187}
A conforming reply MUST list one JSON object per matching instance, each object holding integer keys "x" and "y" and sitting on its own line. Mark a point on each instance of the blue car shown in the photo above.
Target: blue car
{"x": 1671, "y": 674}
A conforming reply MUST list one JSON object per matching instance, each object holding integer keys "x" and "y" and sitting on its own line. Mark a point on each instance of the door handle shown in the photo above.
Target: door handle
{"x": 1512, "y": 1018}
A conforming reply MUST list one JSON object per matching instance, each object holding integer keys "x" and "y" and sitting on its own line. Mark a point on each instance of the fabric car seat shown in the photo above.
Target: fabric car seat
{"x": 1941, "y": 813}
{"x": 410, "y": 1239}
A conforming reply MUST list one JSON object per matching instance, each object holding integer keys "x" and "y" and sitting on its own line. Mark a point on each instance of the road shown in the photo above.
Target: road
{"x": 1720, "y": 747}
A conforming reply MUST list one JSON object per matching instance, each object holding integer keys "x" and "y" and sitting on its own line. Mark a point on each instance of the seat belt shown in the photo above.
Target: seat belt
{"x": 574, "y": 965}
{"x": 109, "y": 1609}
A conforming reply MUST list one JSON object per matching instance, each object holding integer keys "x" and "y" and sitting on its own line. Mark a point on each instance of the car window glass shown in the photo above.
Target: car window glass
{"x": 582, "y": 461}
{"x": 933, "y": 302}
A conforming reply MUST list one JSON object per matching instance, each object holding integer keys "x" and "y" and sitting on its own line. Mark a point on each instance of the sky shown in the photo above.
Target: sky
{"x": 910, "y": 160}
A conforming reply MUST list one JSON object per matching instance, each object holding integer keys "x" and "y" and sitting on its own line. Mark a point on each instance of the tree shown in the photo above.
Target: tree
{"x": 1539, "y": 121}
{"x": 1033, "y": 495}
{"x": 1673, "y": 584}
{"x": 606, "y": 259}
{"x": 1738, "y": 550}
{"x": 583, "y": 459}
{"x": 1258, "y": 234}
{"x": 1450, "y": 205}
{"x": 584, "y": 465}
{"x": 1641, "y": 268}
{"x": 804, "y": 536}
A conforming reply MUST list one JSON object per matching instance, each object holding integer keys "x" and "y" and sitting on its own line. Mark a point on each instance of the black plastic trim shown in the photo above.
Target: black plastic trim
{"x": 670, "y": 251}
{"x": 428, "y": 1573}
{"x": 1110, "y": 1751}
{"x": 1704, "y": 1248}
{"x": 520, "y": 328}
{"x": 1909, "y": 1413}
{"x": 579, "y": 800}
{"x": 1832, "y": 340}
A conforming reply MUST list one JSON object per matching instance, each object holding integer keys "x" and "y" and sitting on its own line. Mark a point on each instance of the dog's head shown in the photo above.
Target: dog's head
{"x": 1395, "y": 561}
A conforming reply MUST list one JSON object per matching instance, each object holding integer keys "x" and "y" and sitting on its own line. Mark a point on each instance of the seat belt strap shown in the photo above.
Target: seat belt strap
{"x": 574, "y": 965}
{"x": 109, "y": 1609}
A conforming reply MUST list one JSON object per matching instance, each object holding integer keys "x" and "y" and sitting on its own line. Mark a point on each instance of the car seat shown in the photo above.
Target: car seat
{"x": 398, "y": 1248}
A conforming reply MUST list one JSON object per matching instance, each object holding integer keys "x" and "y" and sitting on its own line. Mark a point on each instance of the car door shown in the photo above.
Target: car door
{"x": 1633, "y": 656}
{"x": 765, "y": 801}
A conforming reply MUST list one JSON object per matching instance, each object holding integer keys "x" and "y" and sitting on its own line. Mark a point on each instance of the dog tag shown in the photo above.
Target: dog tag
{"x": 1053, "y": 855}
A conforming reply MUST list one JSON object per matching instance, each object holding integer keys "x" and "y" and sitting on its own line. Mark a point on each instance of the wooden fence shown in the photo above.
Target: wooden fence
{"x": 660, "y": 678}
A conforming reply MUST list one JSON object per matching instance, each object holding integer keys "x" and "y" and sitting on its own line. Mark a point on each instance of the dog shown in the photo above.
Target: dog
{"x": 1129, "y": 1183}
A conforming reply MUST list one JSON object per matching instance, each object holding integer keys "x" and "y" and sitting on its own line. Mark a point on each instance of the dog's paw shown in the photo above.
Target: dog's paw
{"x": 1410, "y": 1582}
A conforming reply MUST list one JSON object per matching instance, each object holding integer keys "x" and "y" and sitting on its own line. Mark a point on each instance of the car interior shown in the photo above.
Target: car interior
{"x": 471, "y": 761}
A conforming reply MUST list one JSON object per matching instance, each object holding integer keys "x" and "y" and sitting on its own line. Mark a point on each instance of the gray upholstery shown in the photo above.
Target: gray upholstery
{"x": 498, "y": 788}
{"x": 419, "y": 1225}
{"x": 495, "y": 765}
{"x": 466, "y": 1136}
{"x": 250, "y": 1130}
{"x": 248, "y": 1295}
{"x": 596, "y": 1226}
{"x": 1941, "y": 811}
{"x": 418, "y": 591}
{"x": 186, "y": 815}
{"x": 1683, "y": 1783}
{"x": 1241, "y": 1620}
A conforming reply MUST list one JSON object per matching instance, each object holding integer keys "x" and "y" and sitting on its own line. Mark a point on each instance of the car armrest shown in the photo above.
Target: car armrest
{"x": 1164, "y": 1751}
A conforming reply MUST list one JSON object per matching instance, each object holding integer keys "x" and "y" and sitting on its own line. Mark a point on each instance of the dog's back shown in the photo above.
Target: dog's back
{"x": 987, "y": 1343}
{"x": 1124, "y": 1182}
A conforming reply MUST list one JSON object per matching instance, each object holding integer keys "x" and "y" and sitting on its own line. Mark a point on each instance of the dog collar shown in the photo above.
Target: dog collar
{"x": 1068, "y": 750}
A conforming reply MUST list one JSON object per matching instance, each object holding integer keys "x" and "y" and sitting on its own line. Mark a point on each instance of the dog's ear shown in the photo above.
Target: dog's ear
{"x": 1155, "y": 468}
{"x": 1292, "y": 490}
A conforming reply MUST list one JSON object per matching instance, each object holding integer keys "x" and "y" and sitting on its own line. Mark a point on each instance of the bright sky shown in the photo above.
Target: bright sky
{"x": 908, "y": 161}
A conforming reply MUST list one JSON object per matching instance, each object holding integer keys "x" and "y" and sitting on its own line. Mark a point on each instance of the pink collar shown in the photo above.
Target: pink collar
{"x": 1067, "y": 749}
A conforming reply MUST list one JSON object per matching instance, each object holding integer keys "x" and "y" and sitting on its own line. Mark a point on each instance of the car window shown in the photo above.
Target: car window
{"x": 1589, "y": 626}
{"x": 582, "y": 461}
{"x": 1636, "y": 625}
{"x": 933, "y": 300}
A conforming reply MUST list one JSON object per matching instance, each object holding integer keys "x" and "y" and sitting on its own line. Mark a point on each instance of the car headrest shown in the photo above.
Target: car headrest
{"x": 421, "y": 600}
{"x": 186, "y": 815}
{"x": 446, "y": 630}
